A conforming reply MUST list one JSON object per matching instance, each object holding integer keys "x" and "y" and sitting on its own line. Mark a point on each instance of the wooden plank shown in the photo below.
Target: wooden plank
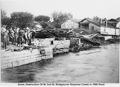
{"x": 38, "y": 58}
{"x": 32, "y": 60}
{"x": 38, "y": 55}
{"x": 3, "y": 61}
{"x": 24, "y": 55}
{"x": 42, "y": 57}
{"x": 9, "y": 65}
{"x": 27, "y": 61}
{"x": 4, "y": 66}
{"x": 6, "y": 52}
{"x": 49, "y": 56}
{"x": 23, "y": 58}
{"x": 21, "y": 52}
{"x": 9, "y": 58}
{"x": 21, "y": 62}
{"x": 5, "y": 55}
{"x": 18, "y": 58}
{"x": 15, "y": 63}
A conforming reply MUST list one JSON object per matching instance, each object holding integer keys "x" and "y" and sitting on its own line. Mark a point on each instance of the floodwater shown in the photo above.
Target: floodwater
{"x": 99, "y": 65}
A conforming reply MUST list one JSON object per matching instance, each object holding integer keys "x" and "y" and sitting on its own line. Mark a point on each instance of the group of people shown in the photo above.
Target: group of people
{"x": 16, "y": 36}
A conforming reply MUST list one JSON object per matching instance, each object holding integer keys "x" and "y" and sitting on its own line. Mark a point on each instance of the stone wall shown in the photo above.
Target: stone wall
{"x": 43, "y": 42}
{"x": 48, "y": 47}
{"x": 61, "y": 46}
{"x": 12, "y": 59}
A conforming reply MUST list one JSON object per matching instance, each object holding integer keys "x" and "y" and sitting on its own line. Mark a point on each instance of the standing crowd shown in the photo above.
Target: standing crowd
{"x": 16, "y": 36}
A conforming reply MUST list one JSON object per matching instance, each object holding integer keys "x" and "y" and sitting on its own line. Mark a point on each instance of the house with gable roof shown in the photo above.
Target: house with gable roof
{"x": 70, "y": 24}
{"x": 89, "y": 24}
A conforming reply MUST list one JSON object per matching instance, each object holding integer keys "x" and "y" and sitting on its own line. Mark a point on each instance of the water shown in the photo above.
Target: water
{"x": 100, "y": 65}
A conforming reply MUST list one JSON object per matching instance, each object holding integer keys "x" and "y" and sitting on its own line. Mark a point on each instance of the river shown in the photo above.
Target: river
{"x": 99, "y": 65}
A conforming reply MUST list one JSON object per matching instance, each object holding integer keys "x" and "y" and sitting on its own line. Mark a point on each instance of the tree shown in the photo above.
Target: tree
{"x": 4, "y": 19}
{"x": 42, "y": 20}
{"x": 59, "y": 18}
{"x": 97, "y": 19}
{"x": 3, "y": 14}
{"x": 21, "y": 19}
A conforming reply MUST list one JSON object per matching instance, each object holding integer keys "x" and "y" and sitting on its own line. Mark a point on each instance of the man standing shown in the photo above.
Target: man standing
{"x": 11, "y": 35}
{"x": 5, "y": 39}
{"x": 15, "y": 36}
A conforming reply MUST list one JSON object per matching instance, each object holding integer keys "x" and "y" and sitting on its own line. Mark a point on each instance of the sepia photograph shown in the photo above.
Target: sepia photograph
{"x": 60, "y": 41}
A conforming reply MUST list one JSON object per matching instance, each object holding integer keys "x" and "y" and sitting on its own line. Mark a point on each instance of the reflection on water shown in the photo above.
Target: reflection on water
{"x": 92, "y": 66}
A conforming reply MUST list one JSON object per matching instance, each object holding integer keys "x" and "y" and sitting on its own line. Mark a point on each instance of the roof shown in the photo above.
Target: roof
{"x": 113, "y": 20}
{"x": 89, "y": 21}
{"x": 73, "y": 20}
{"x": 76, "y": 20}
{"x": 84, "y": 31}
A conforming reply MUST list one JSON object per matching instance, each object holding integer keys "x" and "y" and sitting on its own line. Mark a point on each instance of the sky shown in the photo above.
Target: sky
{"x": 78, "y": 8}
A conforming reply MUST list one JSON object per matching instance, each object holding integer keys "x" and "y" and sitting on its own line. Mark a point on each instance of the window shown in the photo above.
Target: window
{"x": 51, "y": 42}
{"x": 92, "y": 28}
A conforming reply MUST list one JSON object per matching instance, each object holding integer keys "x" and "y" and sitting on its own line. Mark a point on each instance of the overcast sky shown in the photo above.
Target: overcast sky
{"x": 78, "y": 8}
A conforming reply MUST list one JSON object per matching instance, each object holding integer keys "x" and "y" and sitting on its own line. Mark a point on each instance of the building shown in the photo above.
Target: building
{"x": 112, "y": 23}
{"x": 109, "y": 31}
{"x": 89, "y": 24}
{"x": 118, "y": 25}
{"x": 111, "y": 28}
{"x": 70, "y": 24}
